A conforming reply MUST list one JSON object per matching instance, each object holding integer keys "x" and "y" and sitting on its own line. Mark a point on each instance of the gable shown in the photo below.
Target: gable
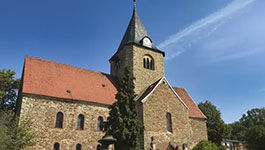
{"x": 181, "y": 94}
{"x": 154, "y": 86}
{"x": 48, "y": 78}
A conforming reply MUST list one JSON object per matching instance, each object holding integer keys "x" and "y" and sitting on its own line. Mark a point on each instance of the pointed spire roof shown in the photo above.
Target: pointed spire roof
{"x": 135, "y": 32}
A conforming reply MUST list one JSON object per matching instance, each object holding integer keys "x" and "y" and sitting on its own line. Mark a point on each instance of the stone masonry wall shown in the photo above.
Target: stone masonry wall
{"x": 161, "y": 101}
{"x": 199, "y": 131}
{"x": 42, "y": 110}
{"x": 145, "y": 77}
{"x": 132, "y": 56}
{"x": 125, "y": 60}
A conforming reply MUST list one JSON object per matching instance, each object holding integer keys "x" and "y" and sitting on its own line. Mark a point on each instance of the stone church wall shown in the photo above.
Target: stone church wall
{"x": 42, "y": 111}
{"x": 199, "y": 130}
{"x": 161, "y": 101}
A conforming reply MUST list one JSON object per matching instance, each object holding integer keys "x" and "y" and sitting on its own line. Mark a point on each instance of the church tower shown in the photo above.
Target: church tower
{"x": 138, "y": 52}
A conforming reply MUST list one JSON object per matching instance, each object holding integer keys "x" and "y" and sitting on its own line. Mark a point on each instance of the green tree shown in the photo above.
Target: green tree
{"x": 238, "y": 131}
{"x": 253, "y": 117}
{"x": 123, "y": 122}
{"x": 8, "y": 89}
{"x": 205, "y": 145}
{"x": 12, "y": 135}
{"x": 216, "y": 128}
{"x": 256, "y": 137}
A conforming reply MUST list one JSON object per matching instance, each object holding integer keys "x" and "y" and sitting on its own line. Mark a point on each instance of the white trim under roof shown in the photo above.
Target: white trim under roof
{"x": 144, "y": 99}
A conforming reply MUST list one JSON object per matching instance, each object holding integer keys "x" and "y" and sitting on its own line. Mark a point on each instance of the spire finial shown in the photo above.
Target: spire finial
{"x": 134, "y": 6}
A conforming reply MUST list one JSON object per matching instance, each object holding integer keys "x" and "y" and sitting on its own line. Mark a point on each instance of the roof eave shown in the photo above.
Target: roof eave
{"x": 133, "y": 43}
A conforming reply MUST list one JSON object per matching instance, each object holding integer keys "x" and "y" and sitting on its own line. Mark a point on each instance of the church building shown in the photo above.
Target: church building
{"x": 67, "y": 104}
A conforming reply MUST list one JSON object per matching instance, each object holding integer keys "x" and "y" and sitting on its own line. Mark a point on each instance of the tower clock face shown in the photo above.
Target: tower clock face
{"x": 147, "y": 42}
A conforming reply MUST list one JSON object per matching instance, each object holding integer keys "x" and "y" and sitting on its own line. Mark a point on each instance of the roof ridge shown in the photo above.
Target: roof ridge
{"x": 67, "y": 65}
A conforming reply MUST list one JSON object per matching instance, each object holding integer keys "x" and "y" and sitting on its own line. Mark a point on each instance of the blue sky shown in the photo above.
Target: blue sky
{"x": 214, "y": 48}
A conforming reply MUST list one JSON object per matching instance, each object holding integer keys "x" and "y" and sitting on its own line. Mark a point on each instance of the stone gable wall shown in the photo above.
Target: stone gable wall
{"x": 42, "y": 110}
{"x": 161, "y": 101}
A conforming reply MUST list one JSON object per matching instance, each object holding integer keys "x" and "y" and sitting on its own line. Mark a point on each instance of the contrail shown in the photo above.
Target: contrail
{"x": 179, "y": 42}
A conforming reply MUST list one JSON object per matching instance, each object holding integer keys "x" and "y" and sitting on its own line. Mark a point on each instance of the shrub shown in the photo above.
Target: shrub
{"x": 205, "y": 145}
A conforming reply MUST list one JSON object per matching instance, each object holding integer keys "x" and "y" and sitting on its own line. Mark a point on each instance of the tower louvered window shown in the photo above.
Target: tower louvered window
{"x": 148, "y": 62}
{"x": 59, "y": 120}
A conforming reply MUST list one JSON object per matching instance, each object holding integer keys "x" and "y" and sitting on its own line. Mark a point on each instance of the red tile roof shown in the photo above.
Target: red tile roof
{"x": 43, "y": 77}
{"x": 194, "y": 110}
{"x": 48, "y": 78}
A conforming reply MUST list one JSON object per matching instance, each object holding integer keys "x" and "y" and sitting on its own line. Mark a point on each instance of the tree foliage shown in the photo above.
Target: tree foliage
{"x": 216, "y": 128}
{"x": 253, "y": 117}
{"x": 123, "y": 122}
{"x": 8, "y": 89}
{"x": 206, "y": 145}
{"x": 256, "y": 137}
{"x": 238, "y": 131}
{"x": 12, "y": 135}
{"x": 250, "y": 128}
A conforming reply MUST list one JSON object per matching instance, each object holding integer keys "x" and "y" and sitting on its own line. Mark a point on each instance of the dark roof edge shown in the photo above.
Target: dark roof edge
{"x": 133, "y": 43}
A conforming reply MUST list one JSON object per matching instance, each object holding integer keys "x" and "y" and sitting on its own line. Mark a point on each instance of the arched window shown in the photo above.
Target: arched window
{"x": 169, "y": 122}
{"x": 56, "y": 146}
{"x": 100, "y": 124}
{"x": 78, "y": 147}
{"x": 59, "y": 120}
{"x": 80, "y": 122}
{"x": 148, "y": 62}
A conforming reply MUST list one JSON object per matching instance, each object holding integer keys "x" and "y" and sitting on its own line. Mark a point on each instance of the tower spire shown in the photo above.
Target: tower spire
{"x": 134, "y": 6}
{"x": 136, "y": 33}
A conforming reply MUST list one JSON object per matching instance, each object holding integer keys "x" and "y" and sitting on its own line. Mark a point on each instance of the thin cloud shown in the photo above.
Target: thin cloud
{"x": 237, "y": 55}
{"x": 181, "y": 41}
{"x": 261, "y": 90}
